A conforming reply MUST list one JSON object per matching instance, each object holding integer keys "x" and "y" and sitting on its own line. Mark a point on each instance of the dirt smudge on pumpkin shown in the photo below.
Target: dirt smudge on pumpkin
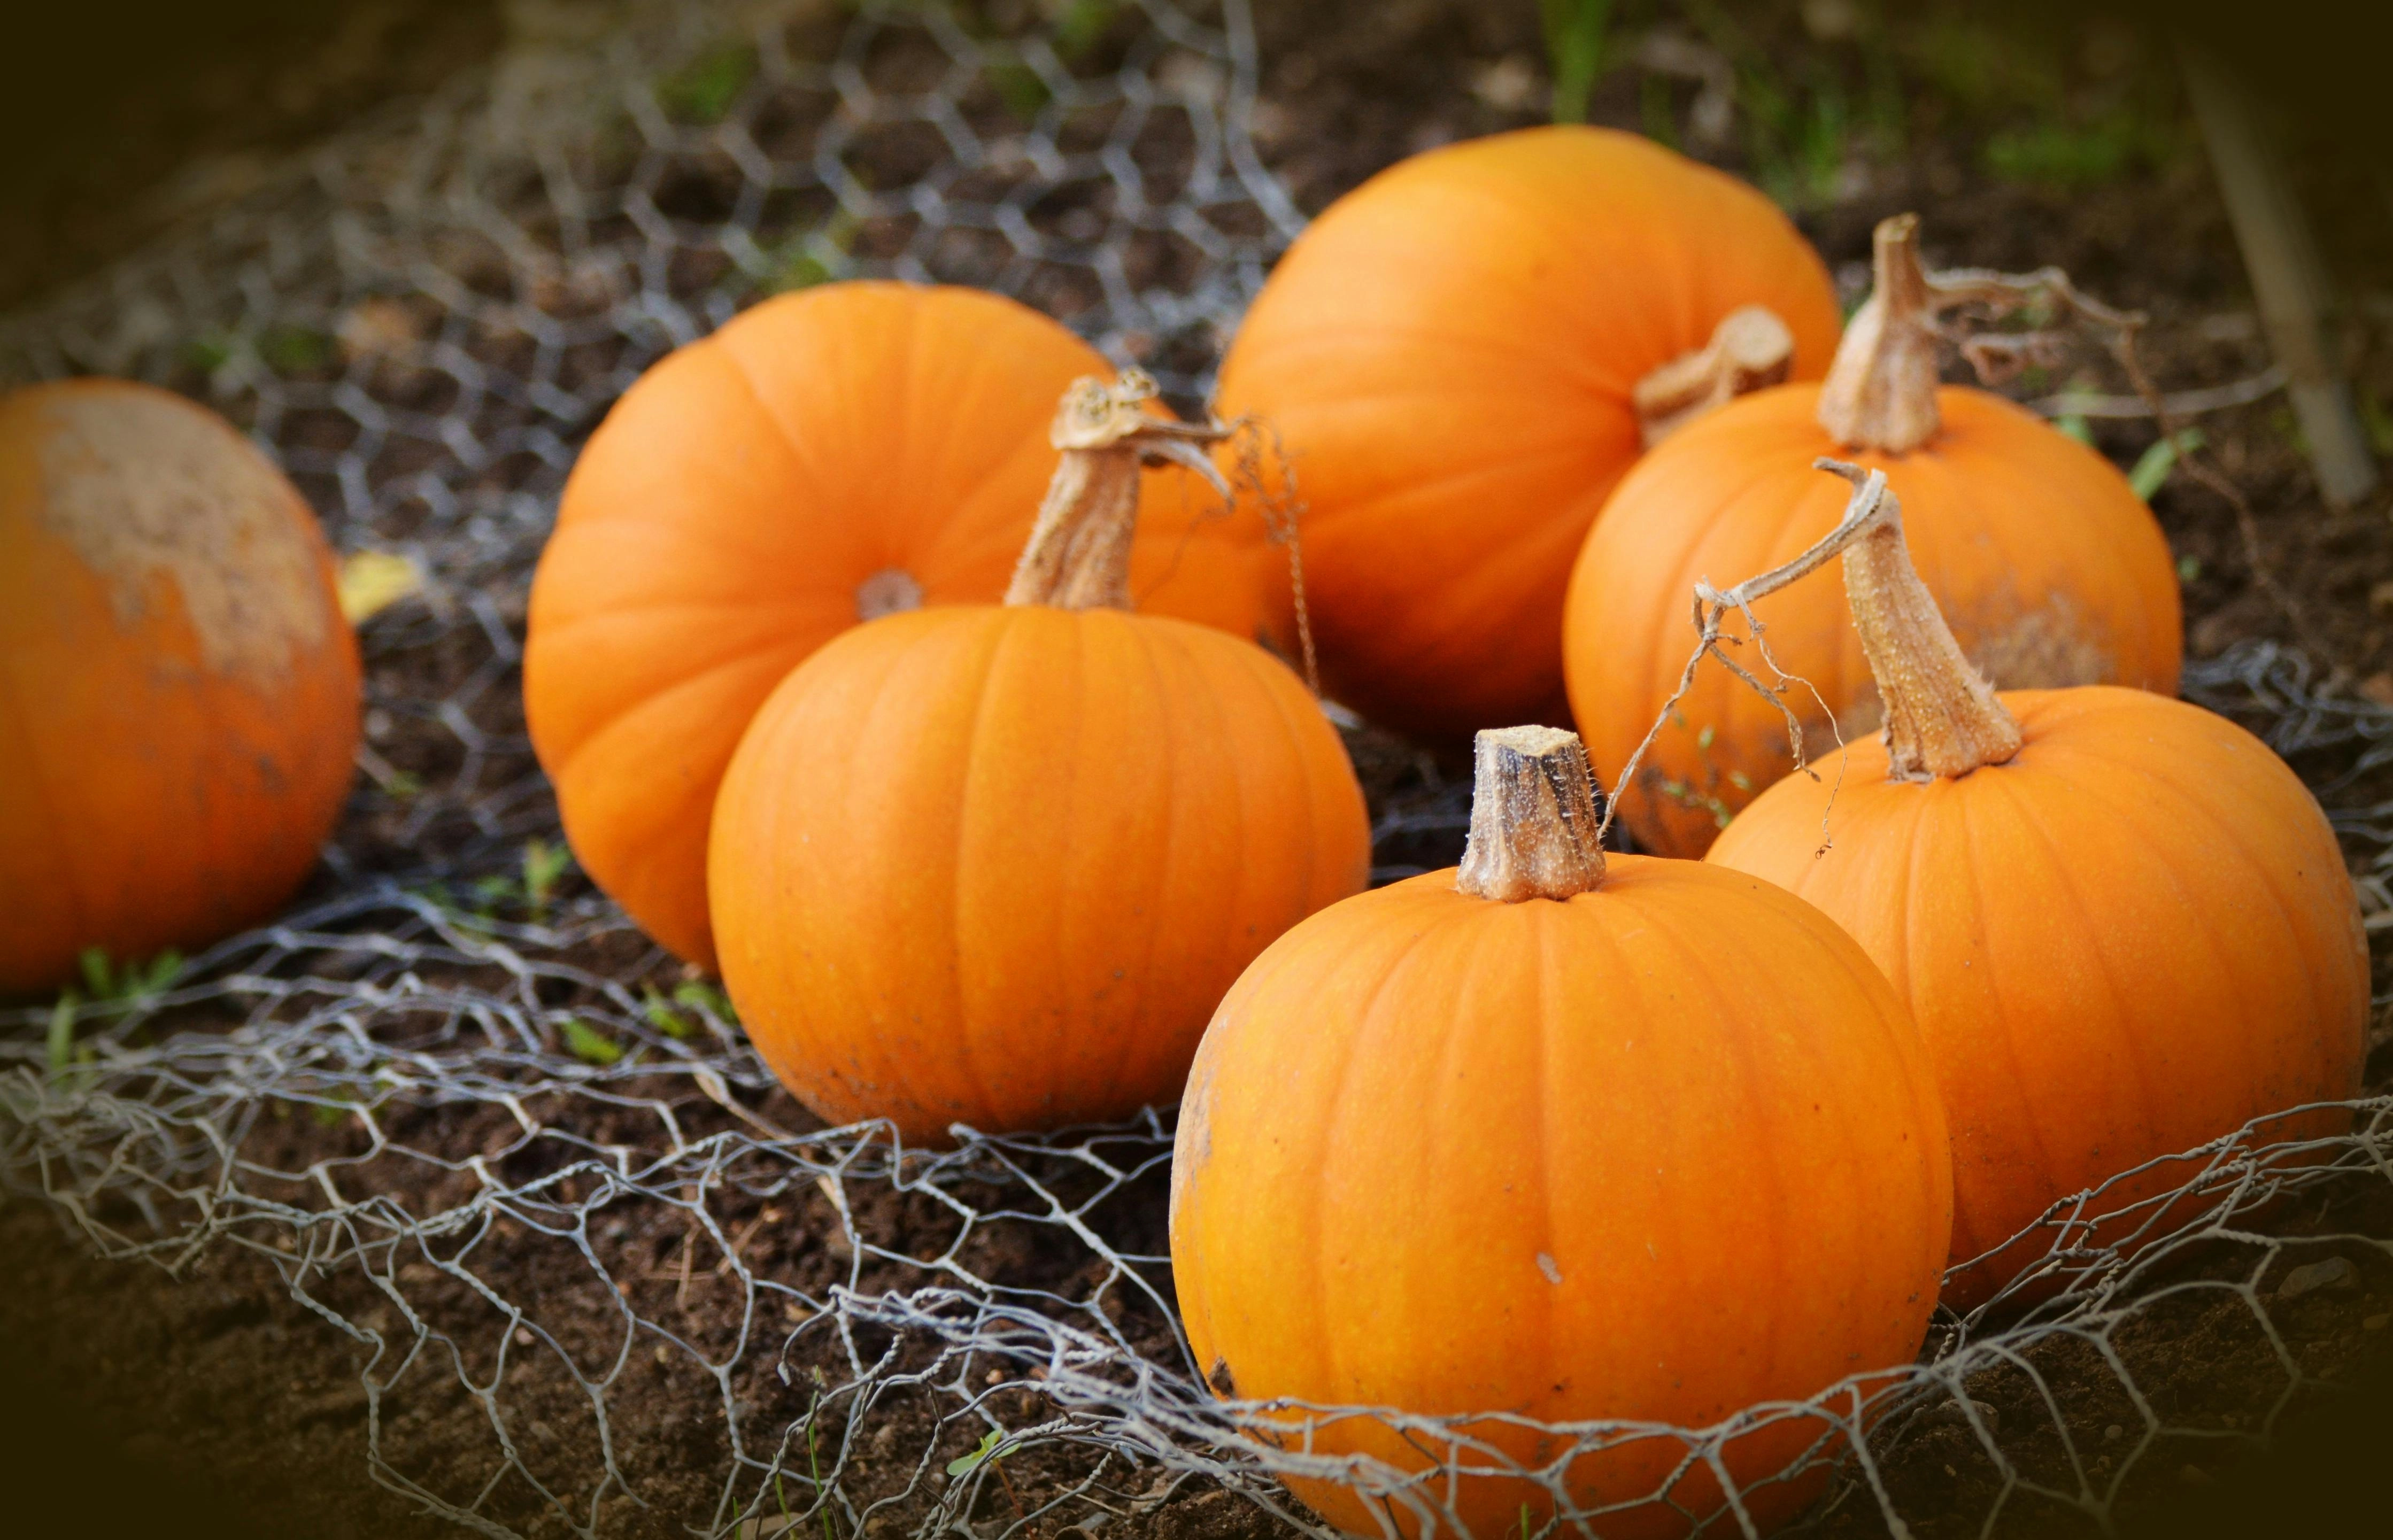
{"x": 2055, "y": 645}
{"x": 144, "y": 485}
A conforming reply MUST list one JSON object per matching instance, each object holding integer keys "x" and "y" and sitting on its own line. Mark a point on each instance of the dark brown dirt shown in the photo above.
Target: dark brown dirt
{"x": 124, "y": 116}
{"x": 219, "y": 1379}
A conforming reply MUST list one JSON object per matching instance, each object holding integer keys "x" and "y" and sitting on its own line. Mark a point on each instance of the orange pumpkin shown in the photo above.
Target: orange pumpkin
{"x": 1565, "y": 1137}
{"x": 996, "y": 864}
{"x": 2124, "y": 924}
{"x": 1453, "y": 355}
{"x": 2052, "y": 568}
{"x": 825, "y": 457}
{"x": 178, "y": 692}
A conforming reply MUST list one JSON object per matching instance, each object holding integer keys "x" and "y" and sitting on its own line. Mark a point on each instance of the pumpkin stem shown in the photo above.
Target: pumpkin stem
{"x": 1880, "y": 393}
{"x": 1534, "y": 832}
{"x": 1942, "y": 719}
{"x": 1750, "y": 348}
{"x": 1078, "y": 556}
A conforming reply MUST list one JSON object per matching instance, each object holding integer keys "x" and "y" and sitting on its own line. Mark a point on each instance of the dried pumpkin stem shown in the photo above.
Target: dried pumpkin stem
{"x": 1534, "y": 832}
{"x": 1880, "y": 393}
{"x": 1078, "y": 556}
{"x": 1750, "y": 348}
{"x": 1943, "y": 718}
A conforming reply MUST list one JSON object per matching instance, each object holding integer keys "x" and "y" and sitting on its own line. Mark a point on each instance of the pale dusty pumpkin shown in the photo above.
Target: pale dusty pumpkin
{"x": 996, "y": 864}
{"x": 2050, "y": 567}
{"x": 178, "y": 692}
{"x": 1563, "y": 1138}
{"x": 1463, "y": 355}
{"x": 2122, "y": 923}
{"x": 825, "y": 457}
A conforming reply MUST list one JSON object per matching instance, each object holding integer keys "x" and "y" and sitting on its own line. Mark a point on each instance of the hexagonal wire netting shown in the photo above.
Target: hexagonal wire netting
{"x": 498, "y": 1143}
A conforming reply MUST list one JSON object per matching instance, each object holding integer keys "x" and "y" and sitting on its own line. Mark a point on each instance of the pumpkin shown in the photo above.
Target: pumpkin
{"x": 178, "y": 691}
{"x": 1562, "y": 1137}
{"x": 1462, "y": 356}
{"x": 2051, "y": 569}
{"x": 2122, "y": 923}
{"x": 995, "y": 863}
{"x": 825, "y": 457}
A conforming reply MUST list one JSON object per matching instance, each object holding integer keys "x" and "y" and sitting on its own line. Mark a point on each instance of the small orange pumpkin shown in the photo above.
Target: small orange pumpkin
{"x": 824, "y": 458}
{"x": 2122, "y": 923}
{"x": 2052, "y": 570}
{"x": 178, "y": 691}
{"x": 1567, "y": 1138}
{"x": 996, "y": 864}
{"x": 1463, "y": 355}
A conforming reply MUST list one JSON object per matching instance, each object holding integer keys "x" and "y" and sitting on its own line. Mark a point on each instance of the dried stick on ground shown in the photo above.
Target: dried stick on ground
{"x": 2286, "y": 276}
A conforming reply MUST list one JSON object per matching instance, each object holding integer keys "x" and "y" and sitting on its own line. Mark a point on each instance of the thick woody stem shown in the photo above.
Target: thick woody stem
{"x": 1078, "y": 556}
{"x": 1943, "y": 718}
{"x": 1534, "y": 832}
{"x": 1750, "y": 348}
{"x": 1880, "y": 393}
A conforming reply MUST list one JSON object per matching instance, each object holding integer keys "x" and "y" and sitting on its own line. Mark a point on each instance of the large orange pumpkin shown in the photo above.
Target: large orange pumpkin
{"x": 2050, "y": 567}
{"x": 178, "y": 691}
{"x": 1563, "y": 1138}
{"x": 996, "y": 864}
{"x": 1453, "y": 354}
{"x": 2122, "y": 923}
{"x": 825, "y": 457}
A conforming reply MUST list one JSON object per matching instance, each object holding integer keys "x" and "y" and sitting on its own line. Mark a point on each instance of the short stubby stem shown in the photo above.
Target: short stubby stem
{"x": 1750, "y": 348}
{"x": 1880, "y": 393}
{"x": 1078, "y": 556}
{"x": 1534, "y": 831}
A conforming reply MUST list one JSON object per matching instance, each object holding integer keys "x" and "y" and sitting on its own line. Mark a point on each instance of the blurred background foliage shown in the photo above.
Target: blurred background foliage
{"x": 123, "y": 115}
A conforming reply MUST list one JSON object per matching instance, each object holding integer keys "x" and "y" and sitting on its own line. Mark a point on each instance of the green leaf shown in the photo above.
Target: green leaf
{"x": 660, "y": 1013}
{"x": 2151, "y": 469}
{"x": 700, "y": 996}
{"x": 209, "y": 351}
{"x": 701, "y": 91}
{"x": 295, "y": 349}
{"x": 1083, "y": 25}
{"x": 62, "y": 1028}
{"x": 965, "y": 1464}
{"x": 164, "y": 970}
{"x": 590, "y": 1045}
{"x": 95, "y": 978}
{"x": 2377, "y": 422}
{"x": 1574, "y": 37}
{"x": 542, "y": 865}
{"x": 2075, "y": 426}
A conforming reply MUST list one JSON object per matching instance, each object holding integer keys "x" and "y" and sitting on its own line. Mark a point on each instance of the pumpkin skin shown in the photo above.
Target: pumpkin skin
{"x": 996, "y": 864}
{"x": 2133, "y": 936}
{"x": 1386, "y": 1179}
{"x": 748, "y": 500}
{"x": 2048, "y": 567}
{"x": 178, "y": 690}
{"x": 1449, "y": 354}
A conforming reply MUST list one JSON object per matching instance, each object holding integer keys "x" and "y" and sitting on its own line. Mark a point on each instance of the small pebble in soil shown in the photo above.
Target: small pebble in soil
{"x": 2376, "y": 1323}
{"x": 2335, "y": 1273}
{"x": 2114, "y": 1433}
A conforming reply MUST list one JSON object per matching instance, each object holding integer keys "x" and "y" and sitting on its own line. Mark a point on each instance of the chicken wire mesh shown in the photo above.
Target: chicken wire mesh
{"x": 495, "y": 1138}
